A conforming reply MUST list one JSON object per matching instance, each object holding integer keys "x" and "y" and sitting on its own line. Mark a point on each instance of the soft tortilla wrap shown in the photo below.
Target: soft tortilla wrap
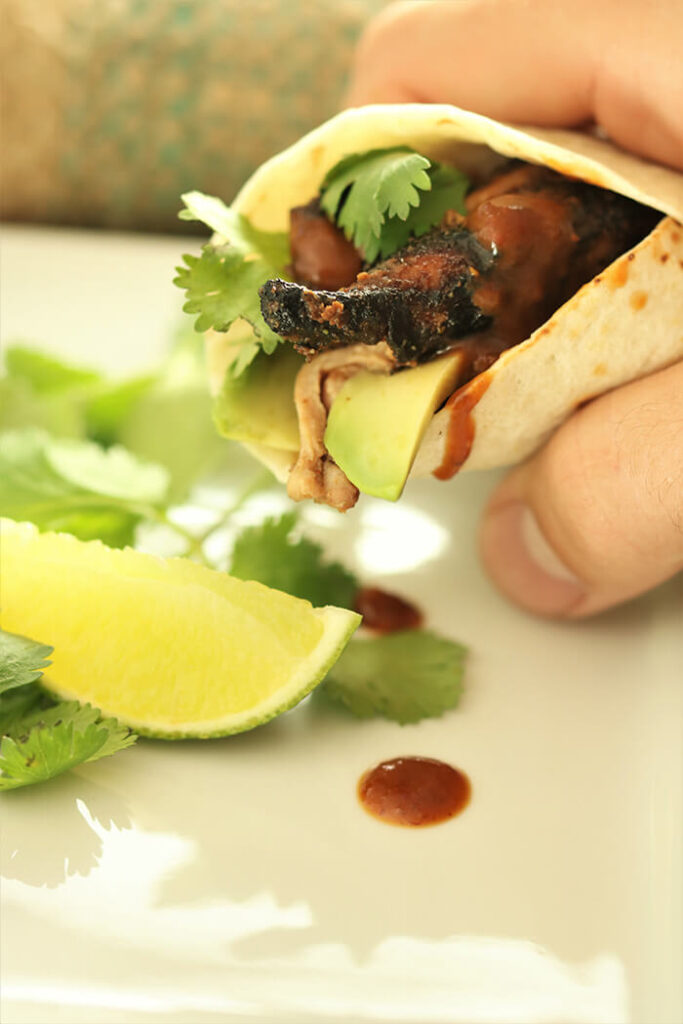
{"x": 625, "y": 323}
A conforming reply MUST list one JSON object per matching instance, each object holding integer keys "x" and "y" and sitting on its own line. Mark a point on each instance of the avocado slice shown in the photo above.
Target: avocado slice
{"x": 376, "y": 423}
{"x": 258, "y": 406}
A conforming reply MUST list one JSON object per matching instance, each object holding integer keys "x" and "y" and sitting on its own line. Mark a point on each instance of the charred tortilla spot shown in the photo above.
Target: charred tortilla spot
{"x": 638, "y": 301}
{"x": 619, "y": 275}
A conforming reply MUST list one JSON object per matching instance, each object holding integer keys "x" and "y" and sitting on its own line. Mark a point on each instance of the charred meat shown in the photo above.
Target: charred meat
{"x": 417, "y": 301}
{"x": 530, "y": 240}
{"x": 322, "y": 257}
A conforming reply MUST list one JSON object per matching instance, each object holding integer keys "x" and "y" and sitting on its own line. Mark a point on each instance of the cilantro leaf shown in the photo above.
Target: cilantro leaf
{"x": 39, "y": 390}
{"x": 51, "y": 741}
{"x": 222, "y": 284}
{"x": 236, "y": 229}
{"x": 448, "y": 191}
{"x": 21, "y": 660}
{"x": 108, "y": 407}
{"x": 18, "y": 703}
{"x": 402, "y": 676}
{"x": 45, "y": 373}
{"x": 362, "y": 190}
{"x": 267, "y": 553}
{"x": 76, "y": 486}
{"x": 21, "y": 406}
{"x": 171, "y": 422}
{"x": 382, "y": 198}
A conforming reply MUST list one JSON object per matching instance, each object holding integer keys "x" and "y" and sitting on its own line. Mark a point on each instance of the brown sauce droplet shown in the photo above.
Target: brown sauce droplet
{"x": 384, "y": 612}
{"x": 460, "y": 436}
{"x": 414, "y": 791}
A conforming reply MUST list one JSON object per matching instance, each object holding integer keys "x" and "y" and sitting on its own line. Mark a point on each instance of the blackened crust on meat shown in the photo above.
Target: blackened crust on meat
{"x": 417, "y": 302}
{"x": 530, "y": 240}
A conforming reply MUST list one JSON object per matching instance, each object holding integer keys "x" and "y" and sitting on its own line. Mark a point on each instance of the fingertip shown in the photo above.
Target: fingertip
{"x": 520, "y": 561}
{"x": 594, "y": 518}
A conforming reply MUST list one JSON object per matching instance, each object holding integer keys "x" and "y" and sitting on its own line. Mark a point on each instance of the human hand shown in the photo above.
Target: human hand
{"x": 595, "y": 517}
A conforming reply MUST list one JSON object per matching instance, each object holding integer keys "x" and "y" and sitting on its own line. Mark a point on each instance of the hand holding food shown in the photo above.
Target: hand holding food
{"x": 595, "y": 517}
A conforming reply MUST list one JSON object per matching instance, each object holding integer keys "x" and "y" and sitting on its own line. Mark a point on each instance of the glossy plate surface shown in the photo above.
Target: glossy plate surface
{"x": 240, "y": 880}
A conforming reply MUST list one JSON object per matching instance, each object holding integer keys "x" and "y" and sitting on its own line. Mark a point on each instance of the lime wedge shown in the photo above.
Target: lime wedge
{"x": 166, "y": 646}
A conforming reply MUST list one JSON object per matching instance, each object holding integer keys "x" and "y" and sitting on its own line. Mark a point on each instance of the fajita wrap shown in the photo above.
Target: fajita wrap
{"x": 626, "y": 322}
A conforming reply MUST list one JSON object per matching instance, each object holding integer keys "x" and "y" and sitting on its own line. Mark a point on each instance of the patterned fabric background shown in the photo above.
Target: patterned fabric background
{"x": 112, "y": 108}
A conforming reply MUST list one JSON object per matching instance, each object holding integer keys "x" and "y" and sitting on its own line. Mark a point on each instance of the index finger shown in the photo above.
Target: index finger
{"x": 544, "y": 62}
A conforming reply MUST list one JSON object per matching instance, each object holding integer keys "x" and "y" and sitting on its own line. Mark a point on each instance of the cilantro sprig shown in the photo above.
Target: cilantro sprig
{"x": 222, "y": 285}
{"x": 383, "y": 197}
{"x": 77, "y": 486}
{"x": 41, "y": 739}
{"x": 162, "y": 416}
{"x": 22, "y": 660}
{"x": 270, "y": 554}
{"x": 380, "y": 199}
{"x": 50, "y": 741}
{"x": 402, "y": 676}
{"x": 56, "y": 475}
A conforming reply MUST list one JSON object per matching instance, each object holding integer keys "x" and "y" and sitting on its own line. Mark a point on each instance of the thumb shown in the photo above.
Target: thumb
{"x": 596, "y": 517}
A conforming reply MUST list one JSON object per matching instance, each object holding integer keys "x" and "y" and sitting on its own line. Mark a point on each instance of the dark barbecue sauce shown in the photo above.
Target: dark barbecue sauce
{"x": 384, "y": 612}
{"x": 460, "y": 437}
{"x": 414, "y": 791}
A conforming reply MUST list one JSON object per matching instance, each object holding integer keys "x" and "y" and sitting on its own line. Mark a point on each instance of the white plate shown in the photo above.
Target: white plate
{"x": 239, "y": 880}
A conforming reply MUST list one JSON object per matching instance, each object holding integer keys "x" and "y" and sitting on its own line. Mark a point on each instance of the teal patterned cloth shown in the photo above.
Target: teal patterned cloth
{"x": 112, "y": 108}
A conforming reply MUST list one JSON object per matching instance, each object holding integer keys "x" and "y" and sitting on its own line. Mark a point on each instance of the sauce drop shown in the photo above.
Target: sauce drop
{"x": 384, "y": 612}
{"x": 414, "y": 791}
{"x": 460, "y": 436}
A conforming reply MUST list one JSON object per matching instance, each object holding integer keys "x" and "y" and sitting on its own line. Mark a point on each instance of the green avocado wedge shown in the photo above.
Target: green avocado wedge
{"x": 258, "y": 406}
{"x": 376, "y": 423}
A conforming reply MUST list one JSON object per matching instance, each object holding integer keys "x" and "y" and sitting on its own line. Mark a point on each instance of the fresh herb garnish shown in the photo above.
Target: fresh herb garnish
{"x": 70, "y": 483}
{"x": 76, "y": 486}
{"x": 222, "y": 285}
{"x": 382, "y": 197}
{"x": 163, "y": 416}
{"x": 39, "y": 741}
{"x": 53, "y": 740}
{"x": 268, "y": 553}
{"x": 403, "y": 676}
{"x": 22, "y": 661}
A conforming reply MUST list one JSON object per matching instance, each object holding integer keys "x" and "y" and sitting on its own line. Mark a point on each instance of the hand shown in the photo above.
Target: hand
{"x": 595, "y": 517}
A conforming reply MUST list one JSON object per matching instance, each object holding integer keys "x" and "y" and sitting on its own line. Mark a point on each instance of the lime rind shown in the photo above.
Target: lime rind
{"x": 339, "y": 626}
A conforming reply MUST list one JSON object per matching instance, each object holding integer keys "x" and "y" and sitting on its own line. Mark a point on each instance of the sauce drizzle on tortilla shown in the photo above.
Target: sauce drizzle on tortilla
{"x": 460, "y": 436}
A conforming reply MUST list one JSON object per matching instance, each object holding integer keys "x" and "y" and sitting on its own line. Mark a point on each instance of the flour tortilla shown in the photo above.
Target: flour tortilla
{"x": 625, "y": 323}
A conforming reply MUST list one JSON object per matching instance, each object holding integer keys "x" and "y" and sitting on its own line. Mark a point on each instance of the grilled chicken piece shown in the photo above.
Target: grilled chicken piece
{"x": 315, "y": 475}
{"x": 531, "y": 238}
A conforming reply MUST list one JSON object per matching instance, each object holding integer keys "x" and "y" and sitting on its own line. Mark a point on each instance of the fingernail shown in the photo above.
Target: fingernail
{"x": 523, "y": 565}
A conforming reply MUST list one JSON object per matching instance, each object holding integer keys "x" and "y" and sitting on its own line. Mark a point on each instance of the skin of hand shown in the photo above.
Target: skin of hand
{"x": 596, "y": 516}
